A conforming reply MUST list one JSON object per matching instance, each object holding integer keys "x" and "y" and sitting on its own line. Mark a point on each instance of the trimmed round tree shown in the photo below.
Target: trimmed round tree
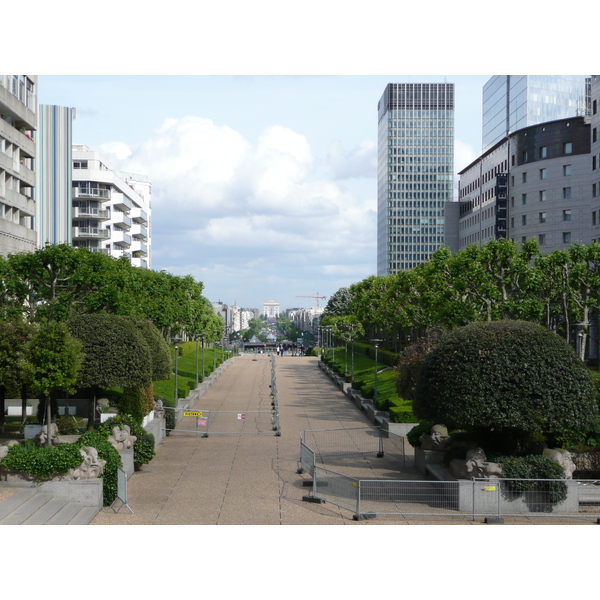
{"x": 505, "y": 375}
{"x": 115, "y": 354}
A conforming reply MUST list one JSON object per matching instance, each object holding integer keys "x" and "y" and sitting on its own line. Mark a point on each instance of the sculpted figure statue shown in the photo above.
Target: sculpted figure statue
{"x": 563, "y": 458}
{"x": 121, "y": 438}
{"x": 91, "y": 467}
{"x": 475, "y": 465}
{"x": 437, "y": 439}
{"x": 41, "y": 438}
{"x": 159, "y": 409}
{"x": 102, "y": 405}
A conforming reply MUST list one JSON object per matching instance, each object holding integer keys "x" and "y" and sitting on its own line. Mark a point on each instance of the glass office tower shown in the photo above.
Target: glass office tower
{"x": 415, "y": 172}
{"x": 512, "y": 102}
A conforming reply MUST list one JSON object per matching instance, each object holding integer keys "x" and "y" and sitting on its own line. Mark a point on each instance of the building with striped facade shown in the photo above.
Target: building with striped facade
{"x": 53, "y": 175}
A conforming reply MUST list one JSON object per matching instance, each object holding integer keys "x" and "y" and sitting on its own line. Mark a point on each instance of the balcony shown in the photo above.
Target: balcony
{"x": 80, "y": 212}
{"x": 142, "y": 251}
{"x": 121, "y": 220}
{"x": 102, "y": 193}
{"x": 90, "y": 233}
{"x": 141, "y": 234}
{"x": 123, "y": 240}
{"x": 121, "y": 202}
{"x": 141, "y": 218}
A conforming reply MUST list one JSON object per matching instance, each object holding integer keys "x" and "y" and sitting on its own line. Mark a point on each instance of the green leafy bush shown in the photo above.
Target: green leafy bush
{"x": 143, "y": 447}
{"x": 505, "y": 374}
{"x": 106, "y": 451}
{"x": 521, "y": 471}
{"x": 416, "y": 432}
{"x": 42, "y": 463}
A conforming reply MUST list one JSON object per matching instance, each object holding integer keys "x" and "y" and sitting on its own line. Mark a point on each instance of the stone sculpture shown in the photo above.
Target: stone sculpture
{"x": 6, "y": 447}
{"x": 437, "y": 439}
{"x": 475, "y": 466}
{"x": 563, "y": 458}
{"x": 90, "y": 468}
{"x": 159, "y": 409}
{"x": 41, "y": 438}
{"x": 121, "y": 437}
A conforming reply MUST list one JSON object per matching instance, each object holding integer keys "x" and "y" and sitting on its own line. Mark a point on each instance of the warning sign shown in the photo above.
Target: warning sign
{"x": 241, "y": 415}
{"x": 192, "y": 413}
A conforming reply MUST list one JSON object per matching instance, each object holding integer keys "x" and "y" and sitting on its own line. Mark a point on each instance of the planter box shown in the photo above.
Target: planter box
{"x": 15, "y": 411}
{"x": 31, "y": 430}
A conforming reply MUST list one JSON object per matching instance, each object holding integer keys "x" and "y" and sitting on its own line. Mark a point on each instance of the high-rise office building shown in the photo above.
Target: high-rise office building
{"x": 54, "y": 175}
{"x": 513, "y": 102}
{"x": 415, "y": 172}
{"x": 18, "y": 122}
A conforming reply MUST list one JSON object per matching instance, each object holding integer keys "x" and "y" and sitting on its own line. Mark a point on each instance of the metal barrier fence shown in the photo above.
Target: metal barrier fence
{"x": 490, "y": 498}
{"x": 233, "y": 422}
{"x": 360, "y": 440}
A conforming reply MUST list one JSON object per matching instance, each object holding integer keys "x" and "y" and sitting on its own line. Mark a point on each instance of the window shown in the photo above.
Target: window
{"x": 543, "y": 174}
{"x": 542, "y": 195}
{"x": 593, "y": 217}
{"x": 566, "y": 170}
{"x": 524, "y": 199}
{"x": 568, "y": 147}
{"x": 542, "y": 239}
{"x": 566, "y": 193}
{"x": 566, "y": 237}
{"x": 594, "y": 135}
{"x": 523, "y": 219}
{"x": 542, "y": 217}
{"x": 567, "y": 215}
{"x": 543, "y": 151}
{"x": 525, "y": 156}
{"x": 523, "y": 239}
{"x": 593, "y": 190}
{"x": 80, "y": 164}
{"x": 525, "y": 177}
{"x": 512, "y": 201}
{"x": 594, "y": 162}
{"x": 594, "y": 107}
{"x": 512, "y": 222}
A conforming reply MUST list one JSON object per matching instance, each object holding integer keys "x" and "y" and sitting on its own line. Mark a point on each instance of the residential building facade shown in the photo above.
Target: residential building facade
{"x": 18, "y": 123}
{"x": 111, "y": 210}
{"x": 415, "y": 172}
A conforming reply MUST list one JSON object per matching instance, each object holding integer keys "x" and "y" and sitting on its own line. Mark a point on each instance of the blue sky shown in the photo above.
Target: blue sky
{"x": 264, "y": 187}
{"x": 257, "y": 124}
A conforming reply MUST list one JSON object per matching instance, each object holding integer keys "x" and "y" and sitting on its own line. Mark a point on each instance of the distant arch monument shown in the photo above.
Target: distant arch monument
{"x": 271, "y": 309}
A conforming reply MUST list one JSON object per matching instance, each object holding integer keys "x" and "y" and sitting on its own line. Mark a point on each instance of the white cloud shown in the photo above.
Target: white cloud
{"x": 252, "y": 214}
{"x": 360, "y": 161}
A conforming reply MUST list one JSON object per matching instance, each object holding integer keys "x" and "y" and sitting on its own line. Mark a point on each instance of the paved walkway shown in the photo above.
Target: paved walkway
{"x": 249, "y": 478}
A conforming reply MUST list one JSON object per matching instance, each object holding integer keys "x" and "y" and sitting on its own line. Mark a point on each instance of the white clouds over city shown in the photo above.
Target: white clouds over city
{"x": 247, "y": 210}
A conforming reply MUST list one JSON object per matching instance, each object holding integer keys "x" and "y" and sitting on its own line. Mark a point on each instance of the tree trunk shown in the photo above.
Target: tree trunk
{"x": 23, "y": 404}
{"x": 2, "y": 407}
{"x": 48, "y": 420}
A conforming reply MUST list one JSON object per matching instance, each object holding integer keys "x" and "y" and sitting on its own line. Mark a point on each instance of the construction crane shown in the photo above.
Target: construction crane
{"x": 317, "y": 298}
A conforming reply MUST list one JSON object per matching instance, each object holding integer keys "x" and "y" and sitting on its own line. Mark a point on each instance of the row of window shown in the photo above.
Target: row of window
{"x": 542, "y": 152}
{"x": 542, "y": 217}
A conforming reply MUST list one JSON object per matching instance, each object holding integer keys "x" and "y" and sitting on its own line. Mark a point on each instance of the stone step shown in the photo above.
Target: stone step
{"x": 25, "y": 508}
{"x": 33, "y": 507}
{"x": 45, "y": 512}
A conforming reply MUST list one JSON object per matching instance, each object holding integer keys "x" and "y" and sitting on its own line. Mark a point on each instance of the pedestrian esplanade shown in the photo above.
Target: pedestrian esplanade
{"x": 239, "y": 478}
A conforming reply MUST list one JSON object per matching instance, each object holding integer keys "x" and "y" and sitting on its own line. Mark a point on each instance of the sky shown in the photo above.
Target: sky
{"x": 257, "y": 126}
{"x": 263, "y": 187}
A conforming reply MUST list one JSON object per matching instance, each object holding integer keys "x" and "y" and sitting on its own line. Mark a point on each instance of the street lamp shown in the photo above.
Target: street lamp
{"x": 176, "y": 341}
{"x": 376, "y": 342}
{"x": 215, "y": 333}
{"x": 202, "y": 336}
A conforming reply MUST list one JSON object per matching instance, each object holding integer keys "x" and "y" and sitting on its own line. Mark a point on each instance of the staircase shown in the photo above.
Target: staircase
{"x": 35, "y": 506}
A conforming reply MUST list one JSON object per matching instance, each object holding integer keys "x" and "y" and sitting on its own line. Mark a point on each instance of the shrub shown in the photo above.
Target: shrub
{"x": 143, "y": 447}
{"x": 505, "y": 374}
{"x": 42, "y": 463}
{"x": 106, "y": 451}
{"x": 521, "y": 471}
{"x": 416, "y": 432}
{"x": 411, "y": 359}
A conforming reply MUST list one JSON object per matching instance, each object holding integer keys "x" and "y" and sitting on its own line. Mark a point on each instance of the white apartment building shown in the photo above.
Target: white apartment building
{"x": 111, "y": 209}
{"x": 18, "y": 121}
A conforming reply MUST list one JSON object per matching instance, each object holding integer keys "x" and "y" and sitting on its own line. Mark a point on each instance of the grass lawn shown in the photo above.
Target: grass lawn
{"x": 364, "y": 380}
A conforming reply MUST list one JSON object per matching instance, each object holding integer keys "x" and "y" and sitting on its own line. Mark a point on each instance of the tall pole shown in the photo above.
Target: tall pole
{"x": 202, "y": 335}
{"x": 375, "y": 392}
{"x": 176, "y": 345}
{"x": 215, "y": 332}
{"x": 196, "y": 336}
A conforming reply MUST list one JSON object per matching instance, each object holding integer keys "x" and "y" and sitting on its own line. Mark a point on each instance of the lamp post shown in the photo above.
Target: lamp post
{"x": 202, "y": 336}
{"x": 376, "y": 342}
{"x": 215, "y": 333}
{"x": 176, "y": 341}
{"x": 196, "y": 337}
{"x": 346, "y": 335}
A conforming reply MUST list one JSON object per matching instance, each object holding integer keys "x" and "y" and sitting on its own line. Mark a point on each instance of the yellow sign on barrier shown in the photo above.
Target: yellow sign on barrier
{"x": 192, "y": 413}
{"x": 489, "y": 488}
